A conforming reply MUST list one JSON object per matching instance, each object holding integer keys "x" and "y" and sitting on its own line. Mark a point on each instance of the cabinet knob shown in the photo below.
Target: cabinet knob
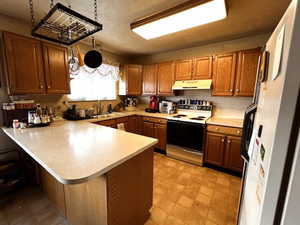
{"x": 231, "y": 90}
{"x": 237, "y": 90}
{"x": 238, "y": 132}
{"x": 223, "y": 140}
{"x": 228, "y": 141}
{"x": 48, "y": 86}
{"x": 41, "y": 86}
{"x": 217, "y": 128}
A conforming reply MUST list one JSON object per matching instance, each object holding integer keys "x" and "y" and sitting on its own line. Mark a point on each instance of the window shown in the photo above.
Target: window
{"x": 94, "y": 84}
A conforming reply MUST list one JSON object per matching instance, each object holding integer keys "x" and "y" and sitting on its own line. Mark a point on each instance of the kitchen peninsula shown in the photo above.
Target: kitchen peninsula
{"x": 93, "y": 174}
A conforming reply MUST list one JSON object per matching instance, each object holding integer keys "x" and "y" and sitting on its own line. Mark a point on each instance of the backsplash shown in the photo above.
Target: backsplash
{"x": 231, "y": 107}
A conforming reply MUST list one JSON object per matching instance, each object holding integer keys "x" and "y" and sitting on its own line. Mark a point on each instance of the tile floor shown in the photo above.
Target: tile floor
{"x": 190, "y": 195}
{"x": 183, "y": 195}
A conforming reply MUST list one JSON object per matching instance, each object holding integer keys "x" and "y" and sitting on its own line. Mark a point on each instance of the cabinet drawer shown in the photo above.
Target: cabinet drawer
{"x": 225, "y": 130}
{"x": 155, "y": 120}
{"x": 107, "y": 123}
{"x": 122, "y": 120}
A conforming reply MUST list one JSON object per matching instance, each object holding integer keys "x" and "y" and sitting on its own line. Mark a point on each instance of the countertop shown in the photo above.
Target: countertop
{"x": 215, "y": 120}
{"x": 224, "y": 121}
{"x": 74, "y": 152}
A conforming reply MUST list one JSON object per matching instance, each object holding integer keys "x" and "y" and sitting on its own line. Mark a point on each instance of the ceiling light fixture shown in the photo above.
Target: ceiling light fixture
{"x": 181, "y": 17}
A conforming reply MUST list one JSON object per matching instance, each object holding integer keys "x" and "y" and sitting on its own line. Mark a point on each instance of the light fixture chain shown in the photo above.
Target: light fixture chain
{"x": 51, "y": 4}
{"x": 32, "y": 12}
{"x": 96, "y": 10}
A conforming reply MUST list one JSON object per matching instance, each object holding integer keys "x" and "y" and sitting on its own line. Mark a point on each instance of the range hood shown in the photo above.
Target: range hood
{"x": 192, "y": 85}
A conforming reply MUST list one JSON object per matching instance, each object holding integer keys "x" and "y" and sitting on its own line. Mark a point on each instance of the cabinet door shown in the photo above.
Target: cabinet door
{"x": 25, "y": 67}
{"x": 214, "y": 150}
{"x": 232, "y": 155}
{"x": 224, "y": 74}
{"x": 54, "y": 190}
{"x": 202, "y": 68}
{"x": 246, "y": 72}
{"x": 133, "y": 79}
{"x": 183, "y": 69}
{"x": 160, "y": 132}
{"x": 132, "y": 124}
{"x": 149, "y": 79}
{"x": 56, "y": 69}
{"x": 165, "y": 78}
{"x": 148, "y": 129}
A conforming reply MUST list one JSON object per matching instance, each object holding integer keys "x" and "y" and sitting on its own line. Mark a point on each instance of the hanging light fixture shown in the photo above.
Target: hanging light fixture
{"x": 64, "y": 25}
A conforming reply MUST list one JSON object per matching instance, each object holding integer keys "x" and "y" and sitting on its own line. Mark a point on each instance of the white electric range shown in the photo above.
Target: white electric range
{"x": 186, "y": 133}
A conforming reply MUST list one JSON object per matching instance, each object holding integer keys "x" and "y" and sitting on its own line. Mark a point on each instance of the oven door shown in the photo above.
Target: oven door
{"x": 185, "y": 134}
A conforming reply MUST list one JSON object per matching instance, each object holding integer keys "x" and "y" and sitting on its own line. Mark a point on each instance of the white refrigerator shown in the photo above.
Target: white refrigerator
{"x": 271, "y": 131}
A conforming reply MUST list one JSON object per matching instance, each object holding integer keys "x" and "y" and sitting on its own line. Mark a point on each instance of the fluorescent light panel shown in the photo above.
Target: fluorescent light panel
{"x": 202, "y": 14}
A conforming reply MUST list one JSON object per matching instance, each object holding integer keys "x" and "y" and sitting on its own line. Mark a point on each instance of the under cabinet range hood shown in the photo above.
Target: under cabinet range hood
{"x": 192, "y": 85}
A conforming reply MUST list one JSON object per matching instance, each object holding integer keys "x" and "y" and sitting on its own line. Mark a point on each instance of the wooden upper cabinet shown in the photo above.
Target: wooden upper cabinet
{"x": 202, "y": 68}
{"x": 134, "y": 79}
{"x": 165, "y": 78}
{"x": 56, "y": 69}
{"x": 24, "y": 59}
{"x": 150, "y": 79}
{"x": 233, "y": 159}
{"x": 224, "y": 74}
{"x": 246, "y": 72}
{"x": 183, "y": 69}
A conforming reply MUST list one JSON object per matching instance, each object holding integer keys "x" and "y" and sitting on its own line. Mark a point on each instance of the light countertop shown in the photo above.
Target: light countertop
{"x": 74, "y": 152}
{"x": 224, "y": 121}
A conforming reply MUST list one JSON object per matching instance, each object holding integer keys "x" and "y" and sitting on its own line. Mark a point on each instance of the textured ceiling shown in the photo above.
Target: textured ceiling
{"x": 244, "y": 18}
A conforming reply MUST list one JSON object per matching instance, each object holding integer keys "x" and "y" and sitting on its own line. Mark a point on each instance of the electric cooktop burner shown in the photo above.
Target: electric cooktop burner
{"x": 198, "y": 118}
{"x": 179, "y": 116}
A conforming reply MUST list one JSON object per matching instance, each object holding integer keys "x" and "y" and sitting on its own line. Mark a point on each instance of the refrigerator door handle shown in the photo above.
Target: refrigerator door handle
{"x": 247, "y": 130}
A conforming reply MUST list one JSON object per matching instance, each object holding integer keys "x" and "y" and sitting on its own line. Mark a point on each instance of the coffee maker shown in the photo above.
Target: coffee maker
{"x": 153, "y": 105}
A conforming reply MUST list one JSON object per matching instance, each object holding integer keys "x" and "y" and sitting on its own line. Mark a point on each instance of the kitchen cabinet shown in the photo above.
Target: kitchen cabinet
{"x": 183, "y": 69}
{"x": 156, "y": 128}
{"x": 246, "y": 72}
{"x": 53, "y": 189}
{"x": 108, "y": 123}
{"x": 233, "y": 159}
{"x": 132, "y": 125}
{"x": 25, "y": 66}
{"x": 160, "y": 132}
{"x": 150, "y": 79}
{"x": 222, "y": 147}
{"x": 165, "y": 78}
{"x": 56, "y": 69}
{"x": 130, "y": 80}
{"x": 202, "y": 68}
{"x": 148, "y": 129}
{"x": 35, "y": 67}
{"x": 224, "y": 74}
{"x": 214, "y": 150}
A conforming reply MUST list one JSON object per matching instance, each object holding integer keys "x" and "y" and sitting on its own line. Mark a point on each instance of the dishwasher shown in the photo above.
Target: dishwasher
{"x": 185, "y": 141}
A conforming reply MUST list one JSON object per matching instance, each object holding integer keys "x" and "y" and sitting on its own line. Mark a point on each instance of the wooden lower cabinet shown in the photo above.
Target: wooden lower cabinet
{"x": 148, "y": 129}
{"x": 214, "y": 151}
{"x": 53, "y": 189}
{"x": 122, "y": 196}
{"x": 160, "y": 132}
{"x": 156, "y": 128}
{"x": 223, "y": 149}
{"x": 233, "y": 159}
